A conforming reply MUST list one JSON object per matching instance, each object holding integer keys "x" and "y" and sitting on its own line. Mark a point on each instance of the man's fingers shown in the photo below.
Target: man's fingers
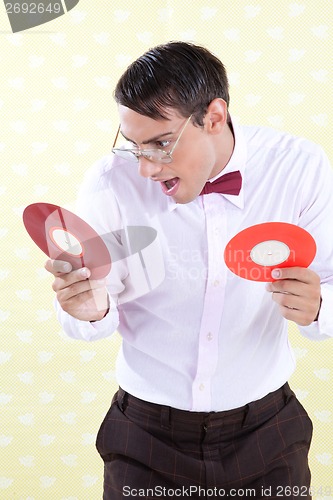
{"x": 297, "y": 292}
{"x": 65, "y": 277}
{"x": 288, "y": 300}
{"x": 302, "y": 274}
{"x": 293, "y": 280}
{"x": 66, "y": 290}
{"x": 296, "y": 309}
{"x": 57, "y": 267}
{"x": 70, "y": 279}
{"x": 77, "y": 295}
{"x": 287, "y": 287}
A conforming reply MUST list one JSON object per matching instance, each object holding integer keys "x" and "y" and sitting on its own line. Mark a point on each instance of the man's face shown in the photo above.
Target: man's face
{"x": 194, "y": 159}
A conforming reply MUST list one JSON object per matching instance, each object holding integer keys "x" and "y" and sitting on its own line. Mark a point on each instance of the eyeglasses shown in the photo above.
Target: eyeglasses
{"x": 154, "y": 155}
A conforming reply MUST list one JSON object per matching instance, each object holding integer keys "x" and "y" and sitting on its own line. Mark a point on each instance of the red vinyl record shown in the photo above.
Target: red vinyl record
{"x": 254, "y": 252}
{"x": 62, "y": 235}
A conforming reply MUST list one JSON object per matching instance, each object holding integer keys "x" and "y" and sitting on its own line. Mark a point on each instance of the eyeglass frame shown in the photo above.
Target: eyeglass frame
{"x": 137, "y": 152}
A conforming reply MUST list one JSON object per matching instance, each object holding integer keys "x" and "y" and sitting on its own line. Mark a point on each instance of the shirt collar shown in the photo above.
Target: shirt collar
{"x": 237, "y": 162}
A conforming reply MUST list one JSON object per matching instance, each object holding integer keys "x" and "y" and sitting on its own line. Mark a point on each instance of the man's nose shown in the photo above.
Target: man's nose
{"x": 149, "y": 168}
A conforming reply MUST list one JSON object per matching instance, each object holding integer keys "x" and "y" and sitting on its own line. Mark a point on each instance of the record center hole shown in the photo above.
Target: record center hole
{"x": 270, "y": 253}
{"x": 67, "y": 242}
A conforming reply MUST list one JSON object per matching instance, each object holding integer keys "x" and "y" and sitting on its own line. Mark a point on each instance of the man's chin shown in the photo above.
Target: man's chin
{"x": 183, "y": 200}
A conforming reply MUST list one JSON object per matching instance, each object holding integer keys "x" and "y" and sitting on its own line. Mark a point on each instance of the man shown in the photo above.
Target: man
{"x": 204, "y": 407}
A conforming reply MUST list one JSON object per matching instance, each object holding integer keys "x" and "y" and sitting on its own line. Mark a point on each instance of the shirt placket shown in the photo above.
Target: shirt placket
{"x": 213, "y": 303}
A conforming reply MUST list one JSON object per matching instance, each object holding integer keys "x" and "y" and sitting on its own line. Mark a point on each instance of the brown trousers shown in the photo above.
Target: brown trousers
{"x": 258, "y": 451}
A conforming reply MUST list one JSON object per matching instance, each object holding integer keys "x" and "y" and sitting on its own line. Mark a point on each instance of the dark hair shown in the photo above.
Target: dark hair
{"x": 176, "y": 75}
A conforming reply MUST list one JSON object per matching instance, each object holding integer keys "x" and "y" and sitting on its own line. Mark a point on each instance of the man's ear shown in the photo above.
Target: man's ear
{"x": 216, "y": 117}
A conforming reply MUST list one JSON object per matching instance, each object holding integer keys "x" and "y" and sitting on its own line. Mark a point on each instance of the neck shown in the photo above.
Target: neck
{"x": 225, "y": 144}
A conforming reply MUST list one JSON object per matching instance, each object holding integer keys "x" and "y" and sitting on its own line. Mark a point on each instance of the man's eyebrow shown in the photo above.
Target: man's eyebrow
{"x": 148, "y": 141}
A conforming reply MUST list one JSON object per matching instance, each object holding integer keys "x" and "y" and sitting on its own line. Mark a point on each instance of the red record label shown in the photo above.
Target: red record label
{"x": 254, "y": 252}
{"x": 62, "y": 235}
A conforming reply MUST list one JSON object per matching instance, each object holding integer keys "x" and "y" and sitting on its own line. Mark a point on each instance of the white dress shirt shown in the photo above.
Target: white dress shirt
{"x": 194, "y": 335}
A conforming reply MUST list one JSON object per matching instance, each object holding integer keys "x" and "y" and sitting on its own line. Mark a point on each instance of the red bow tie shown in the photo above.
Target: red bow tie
{"x": 230, "y": 183}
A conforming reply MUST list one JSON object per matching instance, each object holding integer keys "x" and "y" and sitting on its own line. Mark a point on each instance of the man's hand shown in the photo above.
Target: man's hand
{"x": 297, "y": 292}
{"x": 80, "y": 297}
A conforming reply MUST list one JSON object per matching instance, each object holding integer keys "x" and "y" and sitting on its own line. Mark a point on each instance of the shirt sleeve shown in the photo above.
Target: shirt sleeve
{"x": 86, "y": 330}
{"x": 97, "y": 205}
{"x": 323, "y": 328}
{"x": 316, "y": 218}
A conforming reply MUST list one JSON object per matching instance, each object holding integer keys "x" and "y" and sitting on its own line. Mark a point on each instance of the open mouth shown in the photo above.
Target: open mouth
{"x": 170, "y": 186}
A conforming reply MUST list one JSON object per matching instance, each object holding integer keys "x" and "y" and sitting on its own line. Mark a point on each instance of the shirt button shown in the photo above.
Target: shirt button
{"x": 216, "y": 283}
{"x": 209, "y": 336}
{"x": 201, "y": 387}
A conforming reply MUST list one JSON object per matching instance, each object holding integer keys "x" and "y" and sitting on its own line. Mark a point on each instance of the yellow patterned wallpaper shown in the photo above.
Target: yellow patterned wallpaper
{"x": 57, "y": 116}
